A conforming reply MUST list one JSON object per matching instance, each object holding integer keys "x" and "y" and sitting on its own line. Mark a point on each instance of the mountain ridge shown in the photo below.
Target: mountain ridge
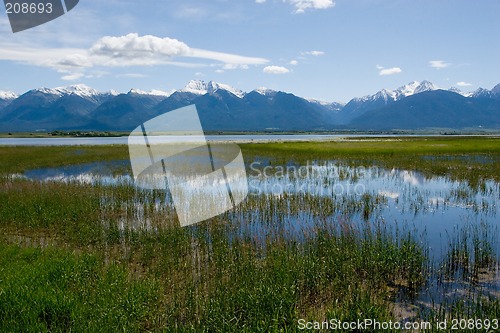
{"x": 223, "y": 107}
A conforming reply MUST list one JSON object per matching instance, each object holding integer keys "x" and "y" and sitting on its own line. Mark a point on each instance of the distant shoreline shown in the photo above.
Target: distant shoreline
{"x": 239, "y": 139}
{"x": 118, "y": 134}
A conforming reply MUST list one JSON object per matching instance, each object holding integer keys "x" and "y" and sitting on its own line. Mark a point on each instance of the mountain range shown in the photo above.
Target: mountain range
{"x": 415, "y": 106}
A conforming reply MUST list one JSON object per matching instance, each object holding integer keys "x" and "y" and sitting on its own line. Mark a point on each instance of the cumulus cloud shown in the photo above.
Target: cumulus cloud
{"x": 302, "y": 5}
{"x": 260, "y": 1}
{"x": 439, "y": 64}
{"x": 294, "y": 62}
{"x": 134, "y": 46}
{"x": 124, "y": 51}
{"x": 276, "y": 70}
{"x": 388, "y": 71}
{"x": 464, "y": 84}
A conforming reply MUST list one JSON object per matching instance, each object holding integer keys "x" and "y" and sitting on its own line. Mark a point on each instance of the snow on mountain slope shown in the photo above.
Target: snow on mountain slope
{"x": 460, "y": 92}
{"x": 407, "y": 89}
{"x": 425, "y": 86}
{"x": 265, "y": 91}
{"x": 199, "y": 87}
{"x": 389, "y": 95}
{"x": 8, "y": 95}
{"x": 79, "y": 90}
{"x": 152, "y": 92}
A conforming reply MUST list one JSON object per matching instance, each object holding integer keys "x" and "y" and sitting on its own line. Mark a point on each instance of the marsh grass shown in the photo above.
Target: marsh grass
{"x": 92, "y": 257}
{"x": 53, "y": 290}
{"x": 216, "y": 274}
{"x": 472, "y": 159}
{"x": 471, "y": 252}
{"x": 23, "y": 158}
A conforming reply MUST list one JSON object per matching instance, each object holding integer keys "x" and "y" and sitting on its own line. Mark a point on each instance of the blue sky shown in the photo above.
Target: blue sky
{"x": 324, "y": 49}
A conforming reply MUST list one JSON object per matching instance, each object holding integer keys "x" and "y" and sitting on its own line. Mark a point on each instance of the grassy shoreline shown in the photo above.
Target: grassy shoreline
{"x": 90, "y": 133}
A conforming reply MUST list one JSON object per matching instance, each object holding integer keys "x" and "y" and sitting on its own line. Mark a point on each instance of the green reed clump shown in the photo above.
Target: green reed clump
{"x": 59, "y": 209}
{"x": 53, "y": 290}
{"x": 267, "y": 284}
{"x": 471, "y": 252}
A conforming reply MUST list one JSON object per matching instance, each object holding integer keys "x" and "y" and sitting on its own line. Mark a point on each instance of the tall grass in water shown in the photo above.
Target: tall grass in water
{"x": 466, "y": 280}
{"x": 214, "y": 275}
{"x": 52, "y": 290}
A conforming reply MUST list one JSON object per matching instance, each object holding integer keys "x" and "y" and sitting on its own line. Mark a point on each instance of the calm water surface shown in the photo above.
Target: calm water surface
{"x": 435, "y": 206}
{"x": 233, "y": 138}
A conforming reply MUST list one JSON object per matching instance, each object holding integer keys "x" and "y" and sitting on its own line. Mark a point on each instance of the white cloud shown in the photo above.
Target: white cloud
{"x": 133, "y": 46}
{"x": 227, "y": 58}
{"x": 132, "y": 75}
{"x": 314, "y": 53}
{"x": 388, "y": 71}
{"x": 294, "y": 62}
{"x": 464, "y": 84}
{"x": 234, "y": 66}
{"x": 72, "y": 76}
{"x": 276, "y": 70}
{"x": 302, "y": 5}
{"x": 439, "y": 64}
{"x": 123, "y": 51}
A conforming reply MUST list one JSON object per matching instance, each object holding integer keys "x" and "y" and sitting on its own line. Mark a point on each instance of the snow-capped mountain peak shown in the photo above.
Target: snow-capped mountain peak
{"x": 48, "y": 91}
{"x": 199, "y": 87}
{"x": 386, "y": 95}
{"x": 214, "y": 86}
{"x": 265, "y": 91}
{"x": 425, "y": 86}
{"x": 7, "y": 95}
{"x": 481, "y": 92}
{"x": 460, "y": 92}
{"x": 324, "y": 103}
{"x": 407, "y": 89}
{"x": 496, "y": 90}
{"x": 81, "y": 90}
{"x": 151, "y": 93}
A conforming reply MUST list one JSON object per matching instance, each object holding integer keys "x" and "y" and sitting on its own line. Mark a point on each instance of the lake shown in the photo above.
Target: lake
{"x": 215, "y": 138}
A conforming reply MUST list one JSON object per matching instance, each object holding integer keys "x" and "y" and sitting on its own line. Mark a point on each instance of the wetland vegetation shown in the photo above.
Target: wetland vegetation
{"x": 416, "y": 240}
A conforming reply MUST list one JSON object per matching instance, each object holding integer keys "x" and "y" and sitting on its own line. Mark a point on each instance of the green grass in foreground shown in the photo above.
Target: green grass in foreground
{"x": 216, "y": 286}
{"x": 54, "y": 290}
